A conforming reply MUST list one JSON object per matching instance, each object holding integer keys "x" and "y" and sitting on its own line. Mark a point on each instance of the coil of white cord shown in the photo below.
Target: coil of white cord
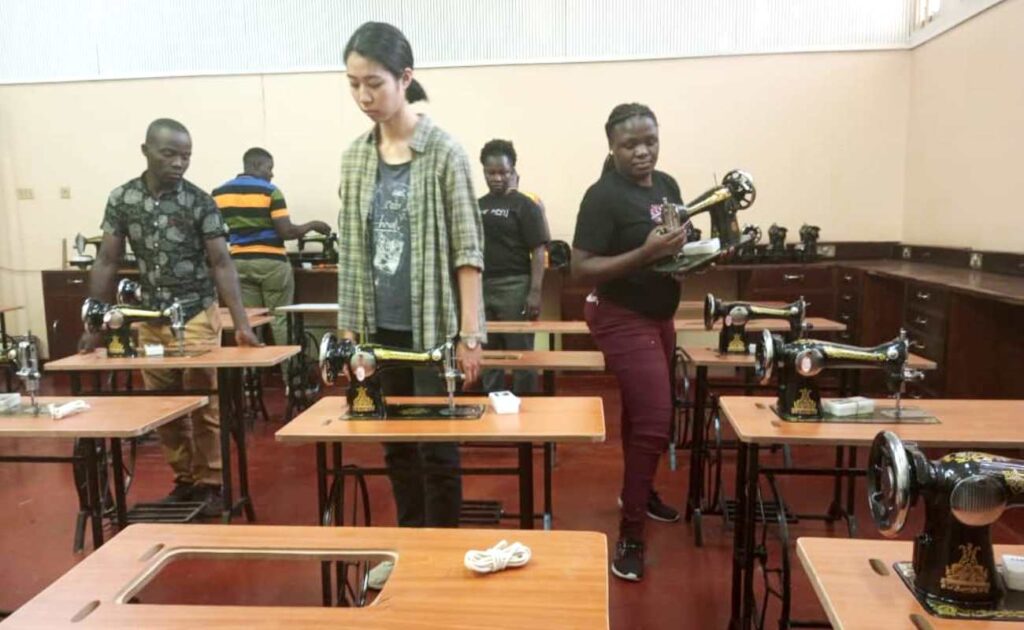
{"x": 498, "y": 557}
{"x": 62, "y": 411}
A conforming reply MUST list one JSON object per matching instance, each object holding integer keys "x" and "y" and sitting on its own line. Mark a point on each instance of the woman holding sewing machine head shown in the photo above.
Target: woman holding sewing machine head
{"x": 631, "y": 311}
{"x": 411, "y": 248}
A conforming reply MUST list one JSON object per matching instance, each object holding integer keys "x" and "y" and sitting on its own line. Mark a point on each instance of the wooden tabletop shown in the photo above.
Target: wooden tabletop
{"x": 702, "y": 355}
{"x": 255, "y": 321}
{"x": 962, "y": 423}
{"x": 540, "y": 419}
{"x": 855, "y": 597}
{"x": 987, "y": 284}
{"x": 224, "y": 357}
{"x": 8, "y": 309}
{"x": 584, "y": 360}
{"x": 564, "y": 585}
{"x": 110, "y": 417}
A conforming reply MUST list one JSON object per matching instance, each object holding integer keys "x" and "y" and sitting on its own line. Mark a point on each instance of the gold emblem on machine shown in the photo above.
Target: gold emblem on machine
{"x": 966, "y": 457}
{"x": 115, "y": 348}
{"x": 966, "y": 575}
{"x": 805, "y": 405}
{"x": 737, "y": 345}
{"x": 363, "y": 402}
{"x": 1014, "y": 479}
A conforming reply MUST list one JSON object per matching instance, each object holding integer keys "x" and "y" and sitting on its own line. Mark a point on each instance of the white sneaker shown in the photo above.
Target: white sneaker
{"x": 379, "y": 575}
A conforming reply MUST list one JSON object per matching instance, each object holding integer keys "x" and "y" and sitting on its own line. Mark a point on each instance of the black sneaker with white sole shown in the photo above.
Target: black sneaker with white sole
{"x": 629, "y": 560}
{"x": 659, "y": 511}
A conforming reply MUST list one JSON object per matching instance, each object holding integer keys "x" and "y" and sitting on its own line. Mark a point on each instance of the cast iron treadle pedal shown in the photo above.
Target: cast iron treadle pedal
{"x": 770, "y": 511}
{"x": 164, "y": 512}
{"x": 481, "y": 512}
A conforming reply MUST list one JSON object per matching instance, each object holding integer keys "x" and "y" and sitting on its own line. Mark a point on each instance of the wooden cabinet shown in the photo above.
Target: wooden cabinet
{"x": 786, "y": 283}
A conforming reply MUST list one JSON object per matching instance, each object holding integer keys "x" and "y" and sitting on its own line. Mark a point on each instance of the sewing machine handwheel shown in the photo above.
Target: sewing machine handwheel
{"x": 709, "y": 311}
{"x": 328, "y": 345}
{"x": 741, "y": 187}
{"x": 889, "y": 483}
{"x": 764, "y": 357}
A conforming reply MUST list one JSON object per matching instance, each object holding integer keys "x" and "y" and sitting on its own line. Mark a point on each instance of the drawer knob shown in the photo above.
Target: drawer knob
{"x": 921, "y": 321}
{"x": 792, "y": 277}
{"x": 845, "y": 317}
{"x": 847, "y": 278}
{"x": 76, "y": 280}
{"x": 847, "y": 297}
{"x": 924, "y": 295}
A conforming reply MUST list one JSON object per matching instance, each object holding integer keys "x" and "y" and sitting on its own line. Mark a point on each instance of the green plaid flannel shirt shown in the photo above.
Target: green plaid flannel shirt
{"x": 445, "y": 228}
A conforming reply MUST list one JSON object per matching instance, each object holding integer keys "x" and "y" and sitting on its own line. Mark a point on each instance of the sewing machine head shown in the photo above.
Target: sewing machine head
{"x": 777, "y": 239}
{"x": 328, "y": 253}
{"x": 23, "y": 355}
{"x": 808, "y": 247}
{"x": 362, "y": 365}
{"x": 803, "y": 359}
{"x": 735, "y": 315}
{"x": 115, "y": 321}
{"x": 963, "y": 494}
{"x": 81, "y": 259}
{"x": 722, "y": 202}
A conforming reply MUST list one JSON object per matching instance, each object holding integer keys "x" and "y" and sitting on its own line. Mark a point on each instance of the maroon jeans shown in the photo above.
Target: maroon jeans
{"x": 638, "y": 350}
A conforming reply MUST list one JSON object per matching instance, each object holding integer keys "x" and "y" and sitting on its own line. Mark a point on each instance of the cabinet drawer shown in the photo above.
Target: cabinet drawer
{"x": 925, "y": 322}
{"x": 794, "y": 278}
{"x": 66, "y": 283}
{"x": 848, "y": 278}
{"x": 847, "y": 301}
{"x": 927, "y": 298}
{"x": 928, "y": 345}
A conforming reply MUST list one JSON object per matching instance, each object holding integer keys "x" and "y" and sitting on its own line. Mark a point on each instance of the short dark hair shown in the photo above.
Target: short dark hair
{"x": 388, "y": 46}
{"x": 499, "y": 148}
{"x": 164, "y": 123}
{"x": 620, "y": 114}
{"x": 254, "y": 156}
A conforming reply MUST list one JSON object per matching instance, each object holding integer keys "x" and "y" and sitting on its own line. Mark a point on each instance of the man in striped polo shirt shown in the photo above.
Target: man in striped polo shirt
{"x": 258, "y": 223}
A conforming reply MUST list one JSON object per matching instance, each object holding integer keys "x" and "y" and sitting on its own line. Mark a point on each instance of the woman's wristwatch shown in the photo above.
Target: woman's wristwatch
{"x": 471, "y": 340}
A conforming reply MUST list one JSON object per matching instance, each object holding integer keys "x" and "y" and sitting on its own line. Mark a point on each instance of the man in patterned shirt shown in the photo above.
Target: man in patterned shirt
{"x": 178, "y": 237}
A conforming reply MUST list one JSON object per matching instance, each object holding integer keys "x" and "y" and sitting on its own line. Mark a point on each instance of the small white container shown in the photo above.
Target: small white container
{"x": 504, "y": 402}
{"x": 1013, "y": 571}
{"x": 10, "y": 402}
{"x": 707, "y": 246}
{"x": 853, "y": 406}
{"x": 153, "y": 350}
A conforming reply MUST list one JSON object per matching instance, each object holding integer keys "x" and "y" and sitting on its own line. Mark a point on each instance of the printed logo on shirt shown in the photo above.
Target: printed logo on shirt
{"x": 390, "y": 228}
{"x": 496, "y": 212}
{"x": 656, "y": 212}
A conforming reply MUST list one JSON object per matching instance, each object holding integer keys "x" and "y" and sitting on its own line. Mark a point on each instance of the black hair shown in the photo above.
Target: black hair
{"x": 164, "y": 123}
{"x": 386, "y": 45}
{"x": 620, "y": 114}
{"x": 255, "y": 155}
{"x": 499, "y": 148}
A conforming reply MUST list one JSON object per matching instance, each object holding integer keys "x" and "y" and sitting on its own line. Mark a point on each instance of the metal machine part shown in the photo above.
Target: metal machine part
{"x": 803, "y": 359}
{"x": 964, "y": 494}
{"x": 24, "y": 357}
{"x": 808, "y": 247}
{"x": 115, "y": 321}
{"x": 328, "y": 253}
{"x": 363, "y": 363}
{"x": 736, "y": 315}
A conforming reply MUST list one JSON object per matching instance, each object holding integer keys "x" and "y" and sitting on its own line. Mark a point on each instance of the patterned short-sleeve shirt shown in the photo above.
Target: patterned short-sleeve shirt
{"x": 168, "y": 234}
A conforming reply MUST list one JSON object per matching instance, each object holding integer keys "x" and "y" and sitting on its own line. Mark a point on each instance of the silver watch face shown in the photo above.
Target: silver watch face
{"x": 471, "y": 342}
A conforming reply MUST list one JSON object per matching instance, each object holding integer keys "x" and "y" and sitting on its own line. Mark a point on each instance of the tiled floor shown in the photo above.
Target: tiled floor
{"x": 686, "y": 587}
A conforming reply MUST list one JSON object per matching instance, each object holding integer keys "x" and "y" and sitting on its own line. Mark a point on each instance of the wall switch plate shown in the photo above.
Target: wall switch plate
{"x": 906, "y": 253}
{"x": 976, "y": 260}
{"x": 827, "y": 251}
{"x": 24, "y": 194}
{"x": 65, "y": 192}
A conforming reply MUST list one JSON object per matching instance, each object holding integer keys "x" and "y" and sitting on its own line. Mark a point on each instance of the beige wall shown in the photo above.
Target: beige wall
{"x": 823, "y": 135}
{"x": 964, "y": 166}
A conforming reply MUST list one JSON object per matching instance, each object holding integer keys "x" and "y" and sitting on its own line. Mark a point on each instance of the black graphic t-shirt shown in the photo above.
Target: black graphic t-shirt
{"x": 513, "y": 226}
{"x": 390, "y": 245}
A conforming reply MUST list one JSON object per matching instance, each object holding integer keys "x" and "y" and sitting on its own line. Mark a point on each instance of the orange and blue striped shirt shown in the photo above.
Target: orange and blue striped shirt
{"x": 249, "y": 206}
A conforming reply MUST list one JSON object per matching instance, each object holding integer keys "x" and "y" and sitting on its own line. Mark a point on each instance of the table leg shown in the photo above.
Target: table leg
{"x": 851, "y": 489}
{"x": 694, "y": 500}
{"x": 549, "y": 463}
{"x": 76, "y": 384}
{"x": 120, "y": 499}
{"x": 525, "y": 485}
{"x": 739, "y": 540}
{"x": 321, "y": 506}
{"x": 238, "y": 428}
{"x": 92, "y": 474}
{"x": 749, "y": 513}
{"x": 225, "y": 401}
{"x": 3, "y": 348}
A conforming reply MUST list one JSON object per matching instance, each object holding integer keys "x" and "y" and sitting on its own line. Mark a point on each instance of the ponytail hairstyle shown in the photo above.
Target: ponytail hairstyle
{"x": 386, "y": 45}
{"x": 620, "y": 114}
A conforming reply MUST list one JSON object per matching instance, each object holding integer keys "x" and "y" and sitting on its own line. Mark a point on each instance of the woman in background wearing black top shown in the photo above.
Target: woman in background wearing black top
{"x": 631, "y": 311}
{"x": 515, "y": 236}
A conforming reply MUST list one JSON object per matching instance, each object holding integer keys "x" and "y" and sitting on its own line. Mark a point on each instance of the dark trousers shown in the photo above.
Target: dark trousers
{"x": 422, "y": 499}
{"x": 638, "y": 350}
{"x": 505, "y": 301}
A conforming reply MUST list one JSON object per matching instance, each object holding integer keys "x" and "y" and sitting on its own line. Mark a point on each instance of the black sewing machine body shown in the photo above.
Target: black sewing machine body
{"x": 963, "y": 494}
{"x": 807, "y": 249}
{"x": 328, "y": 253}
{"x": 115, "y": 321}
{"x": 776, "y": 250}
{"x": 363, "y": 364}
{"x": 736, "y": 315}
{"x": 800, "y": 361}
{"x": 722, "y": 202}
